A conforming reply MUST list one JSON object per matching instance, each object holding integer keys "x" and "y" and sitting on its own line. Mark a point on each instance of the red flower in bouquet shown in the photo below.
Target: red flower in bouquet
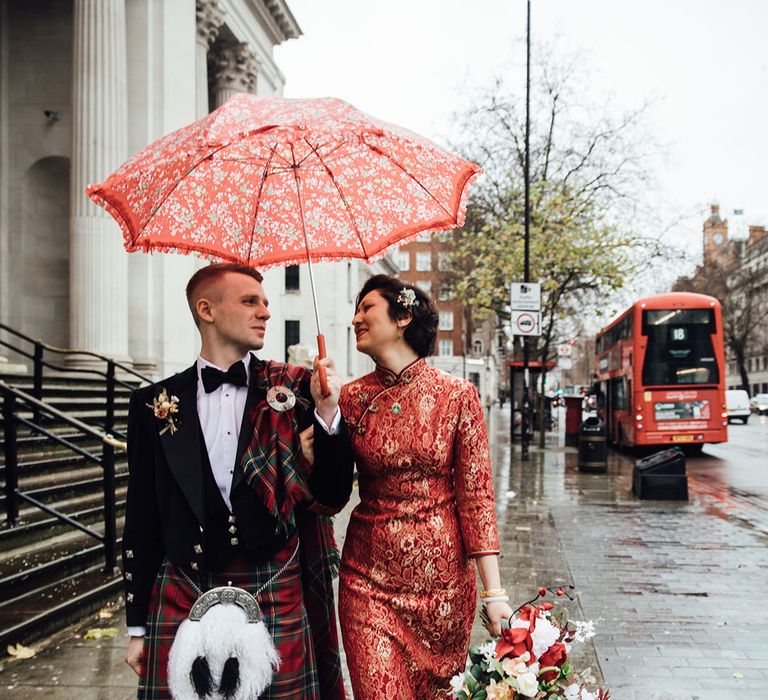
{"x": 515, "y": 642}
{"x": 554, "y": 656}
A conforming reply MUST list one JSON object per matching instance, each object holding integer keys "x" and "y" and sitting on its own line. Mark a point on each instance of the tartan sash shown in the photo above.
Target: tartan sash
{"x": 269, "y": 462}
{"x": 274, "y": 466}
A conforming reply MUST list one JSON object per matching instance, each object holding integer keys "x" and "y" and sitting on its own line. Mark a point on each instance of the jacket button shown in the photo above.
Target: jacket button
{"x": 128, "y": 576}
{"x": 232, "y": 519}
{"x": 129, "y": 554}
{"x": 198, "y": 549}
{"x": 194, "y": 565}
{"x": 129, "y": 598}
{"x": 232, "y": 530}
{"x": 234, "y": 541}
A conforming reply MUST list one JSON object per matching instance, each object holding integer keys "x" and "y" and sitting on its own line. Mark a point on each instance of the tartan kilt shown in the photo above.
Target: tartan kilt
{"x": 282, "y": 605}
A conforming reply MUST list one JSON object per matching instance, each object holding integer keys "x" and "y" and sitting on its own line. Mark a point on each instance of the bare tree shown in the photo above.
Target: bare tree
{"x": 589, "y": 175}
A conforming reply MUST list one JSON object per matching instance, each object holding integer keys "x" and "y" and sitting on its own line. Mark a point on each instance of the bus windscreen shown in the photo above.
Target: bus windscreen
{"x": 679, "y": 349}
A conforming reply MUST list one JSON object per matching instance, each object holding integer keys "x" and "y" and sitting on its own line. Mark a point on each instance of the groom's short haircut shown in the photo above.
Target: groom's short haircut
{"x": 204, "y": 281}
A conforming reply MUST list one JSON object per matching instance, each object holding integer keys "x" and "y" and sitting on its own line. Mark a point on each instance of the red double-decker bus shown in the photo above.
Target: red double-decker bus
{"x": 661, "y": 373}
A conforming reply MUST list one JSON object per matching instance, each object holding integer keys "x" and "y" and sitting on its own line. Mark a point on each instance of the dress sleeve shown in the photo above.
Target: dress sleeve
{"x": 473, "y": 478}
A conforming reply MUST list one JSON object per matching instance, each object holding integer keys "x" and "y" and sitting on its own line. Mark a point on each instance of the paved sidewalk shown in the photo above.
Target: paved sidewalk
{"x": 674, "y": 587}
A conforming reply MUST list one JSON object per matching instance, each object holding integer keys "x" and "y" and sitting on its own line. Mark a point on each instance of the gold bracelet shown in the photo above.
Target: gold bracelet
{"x": 492, "y": 593}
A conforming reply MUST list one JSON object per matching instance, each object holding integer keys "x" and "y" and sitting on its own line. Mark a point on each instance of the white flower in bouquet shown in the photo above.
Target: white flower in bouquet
{"x": 544, "y": 635}
{"x": 499, "y": 691}
{"x": 488, "y": 650}
{"x": 459, "y": 684}
{"x": 584, "y": 630}
{"x": 572, "y": 692}
{"x": 528, "y": 684}
{"x": 516, "y": 667}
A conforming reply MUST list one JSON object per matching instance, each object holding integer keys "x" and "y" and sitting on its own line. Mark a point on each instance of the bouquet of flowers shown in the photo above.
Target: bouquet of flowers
{"x": 531, "y": 658}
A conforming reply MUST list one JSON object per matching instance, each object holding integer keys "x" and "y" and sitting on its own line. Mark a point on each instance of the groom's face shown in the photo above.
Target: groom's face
{"x": 240, "y": 312}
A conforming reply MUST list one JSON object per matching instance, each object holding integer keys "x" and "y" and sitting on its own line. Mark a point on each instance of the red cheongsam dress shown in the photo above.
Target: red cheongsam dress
{"x": 407, "y": 591}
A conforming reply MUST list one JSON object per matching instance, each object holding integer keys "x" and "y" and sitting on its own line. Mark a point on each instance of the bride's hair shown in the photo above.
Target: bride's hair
{"x": 421, "y": 332}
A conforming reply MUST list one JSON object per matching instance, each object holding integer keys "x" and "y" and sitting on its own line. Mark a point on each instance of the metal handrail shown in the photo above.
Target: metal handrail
{"x": 67, "y": 351}
{"x": 109, "y": 443}
{"x": 106, "y": 438}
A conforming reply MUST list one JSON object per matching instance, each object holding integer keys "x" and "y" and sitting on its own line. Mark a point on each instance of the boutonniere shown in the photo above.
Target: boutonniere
{"x": 165, "y": 408}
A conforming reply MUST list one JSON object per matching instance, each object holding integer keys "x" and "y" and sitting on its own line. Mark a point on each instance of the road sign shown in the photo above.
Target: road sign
{"x": 526, "y": 323}
{"x": 526, "y": 296}
{"x": 565, "y": 363}
{"x": 565, "y": 350}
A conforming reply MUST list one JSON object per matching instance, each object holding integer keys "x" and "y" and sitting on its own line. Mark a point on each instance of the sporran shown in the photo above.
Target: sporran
{"x": 223, "y": 650}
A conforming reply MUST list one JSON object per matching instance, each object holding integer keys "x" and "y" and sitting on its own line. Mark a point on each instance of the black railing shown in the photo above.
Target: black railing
{"x": 16, "y": 402}
{"x": 108, "y": 371}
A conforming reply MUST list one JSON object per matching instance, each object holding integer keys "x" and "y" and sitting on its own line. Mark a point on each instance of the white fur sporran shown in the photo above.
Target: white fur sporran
{"x": 223, "y": 650}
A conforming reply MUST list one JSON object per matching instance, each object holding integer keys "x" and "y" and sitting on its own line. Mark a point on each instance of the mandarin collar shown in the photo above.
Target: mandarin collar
{"x": 406, "y": 376}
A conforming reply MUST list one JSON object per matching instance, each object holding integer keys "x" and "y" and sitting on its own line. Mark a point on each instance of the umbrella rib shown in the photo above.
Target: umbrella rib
{"x": 297, "y": 179}
{"x": 376, "y": 149}
{"x": 258, "y": 200}
{"x": 341, "y": 194}
{"x": 173, "y": 189}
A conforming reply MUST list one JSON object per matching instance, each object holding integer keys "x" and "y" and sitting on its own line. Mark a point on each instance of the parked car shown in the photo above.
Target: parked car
{"x": 737, "y": 404}
{"x": 759, "y": 403}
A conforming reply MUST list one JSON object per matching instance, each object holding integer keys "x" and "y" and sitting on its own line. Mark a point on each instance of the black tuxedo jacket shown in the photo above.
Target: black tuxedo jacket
{"x": 166, "y": 510}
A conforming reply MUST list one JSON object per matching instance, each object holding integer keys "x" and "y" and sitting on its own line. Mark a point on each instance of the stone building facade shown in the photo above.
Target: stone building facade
{"x": 83, "y": 85}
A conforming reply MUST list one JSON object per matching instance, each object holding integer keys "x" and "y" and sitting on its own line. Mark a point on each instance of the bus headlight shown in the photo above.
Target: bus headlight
{"x": 639, "y": 426}
{"x": 724, "y": 414}
{"x": 639, "y": 416}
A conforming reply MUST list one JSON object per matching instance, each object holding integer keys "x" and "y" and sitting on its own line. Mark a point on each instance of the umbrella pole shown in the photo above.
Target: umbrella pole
{"x": 320, "y": 337}
{"x": 321, "y": 353}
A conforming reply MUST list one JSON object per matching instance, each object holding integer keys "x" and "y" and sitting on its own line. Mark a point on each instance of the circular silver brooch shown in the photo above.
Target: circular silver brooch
{"x": 281, "y": 398}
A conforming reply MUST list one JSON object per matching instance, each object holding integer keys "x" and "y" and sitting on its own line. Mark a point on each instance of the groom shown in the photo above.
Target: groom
{"x": 215, "y": 492}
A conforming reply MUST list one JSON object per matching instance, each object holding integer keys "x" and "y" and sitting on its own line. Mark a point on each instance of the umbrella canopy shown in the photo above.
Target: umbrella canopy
{"x": 272, "y": 181}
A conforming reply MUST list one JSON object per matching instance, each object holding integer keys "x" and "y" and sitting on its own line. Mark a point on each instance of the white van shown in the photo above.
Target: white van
{"x": 737, "y": 403}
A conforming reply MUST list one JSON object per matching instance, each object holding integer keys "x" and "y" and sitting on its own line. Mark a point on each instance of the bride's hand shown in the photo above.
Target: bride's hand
{"x": 496, "y": 613}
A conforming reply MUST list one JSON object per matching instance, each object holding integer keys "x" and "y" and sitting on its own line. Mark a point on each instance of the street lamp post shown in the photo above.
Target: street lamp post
{"x": 526, "y": 417}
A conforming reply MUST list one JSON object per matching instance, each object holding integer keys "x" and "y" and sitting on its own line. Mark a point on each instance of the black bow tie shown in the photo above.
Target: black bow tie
{"x": 213, "y": 378}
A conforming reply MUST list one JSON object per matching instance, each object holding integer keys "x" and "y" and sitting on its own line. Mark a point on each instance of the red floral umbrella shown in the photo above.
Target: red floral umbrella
{"x": 272, "y": 181}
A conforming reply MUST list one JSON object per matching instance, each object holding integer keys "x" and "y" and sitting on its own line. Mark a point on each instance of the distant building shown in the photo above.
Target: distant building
{"x": 466, "y": 347}
{"x": 742, "y": 254}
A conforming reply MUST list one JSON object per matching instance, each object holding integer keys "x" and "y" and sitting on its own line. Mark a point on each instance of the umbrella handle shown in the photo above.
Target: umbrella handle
{"x": 321, "y": 370}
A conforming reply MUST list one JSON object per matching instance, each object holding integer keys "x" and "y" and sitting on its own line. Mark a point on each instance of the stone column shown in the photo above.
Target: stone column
{"x": 98, "y": 262}
{"x": 209, "y": 20}
{"x": 236, "y": 69}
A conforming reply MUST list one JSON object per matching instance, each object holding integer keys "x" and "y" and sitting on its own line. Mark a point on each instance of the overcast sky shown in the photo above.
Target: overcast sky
{"x": 704, "y": 63}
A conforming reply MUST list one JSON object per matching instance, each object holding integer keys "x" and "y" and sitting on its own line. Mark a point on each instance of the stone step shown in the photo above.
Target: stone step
{"x": 38, "y": 526}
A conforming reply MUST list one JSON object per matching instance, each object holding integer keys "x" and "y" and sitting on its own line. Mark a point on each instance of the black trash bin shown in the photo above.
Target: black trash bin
{"x": 661, "y": 476}
{"x": 593, "y": 451}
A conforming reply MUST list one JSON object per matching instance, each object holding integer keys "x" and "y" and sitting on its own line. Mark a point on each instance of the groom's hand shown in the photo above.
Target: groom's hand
{"x": 134, "y": 655}
{"x": 326, "y": 405}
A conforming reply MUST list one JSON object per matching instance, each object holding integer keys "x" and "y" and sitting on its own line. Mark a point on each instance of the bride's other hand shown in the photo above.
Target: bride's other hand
{"x": 307, "y": 439}
{"x": 497, "y": 613}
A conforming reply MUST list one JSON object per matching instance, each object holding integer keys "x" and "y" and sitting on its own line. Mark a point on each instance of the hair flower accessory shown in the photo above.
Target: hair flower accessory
{"x": 407, "y": 298}
{"x": 165, "y": 408}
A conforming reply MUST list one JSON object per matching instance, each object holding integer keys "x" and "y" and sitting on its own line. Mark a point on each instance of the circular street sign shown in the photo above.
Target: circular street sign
{"x": 525, "y": 323}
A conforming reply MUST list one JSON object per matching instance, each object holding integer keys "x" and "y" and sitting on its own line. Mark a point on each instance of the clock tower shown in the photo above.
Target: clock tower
{"x": 716, "y": 243}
